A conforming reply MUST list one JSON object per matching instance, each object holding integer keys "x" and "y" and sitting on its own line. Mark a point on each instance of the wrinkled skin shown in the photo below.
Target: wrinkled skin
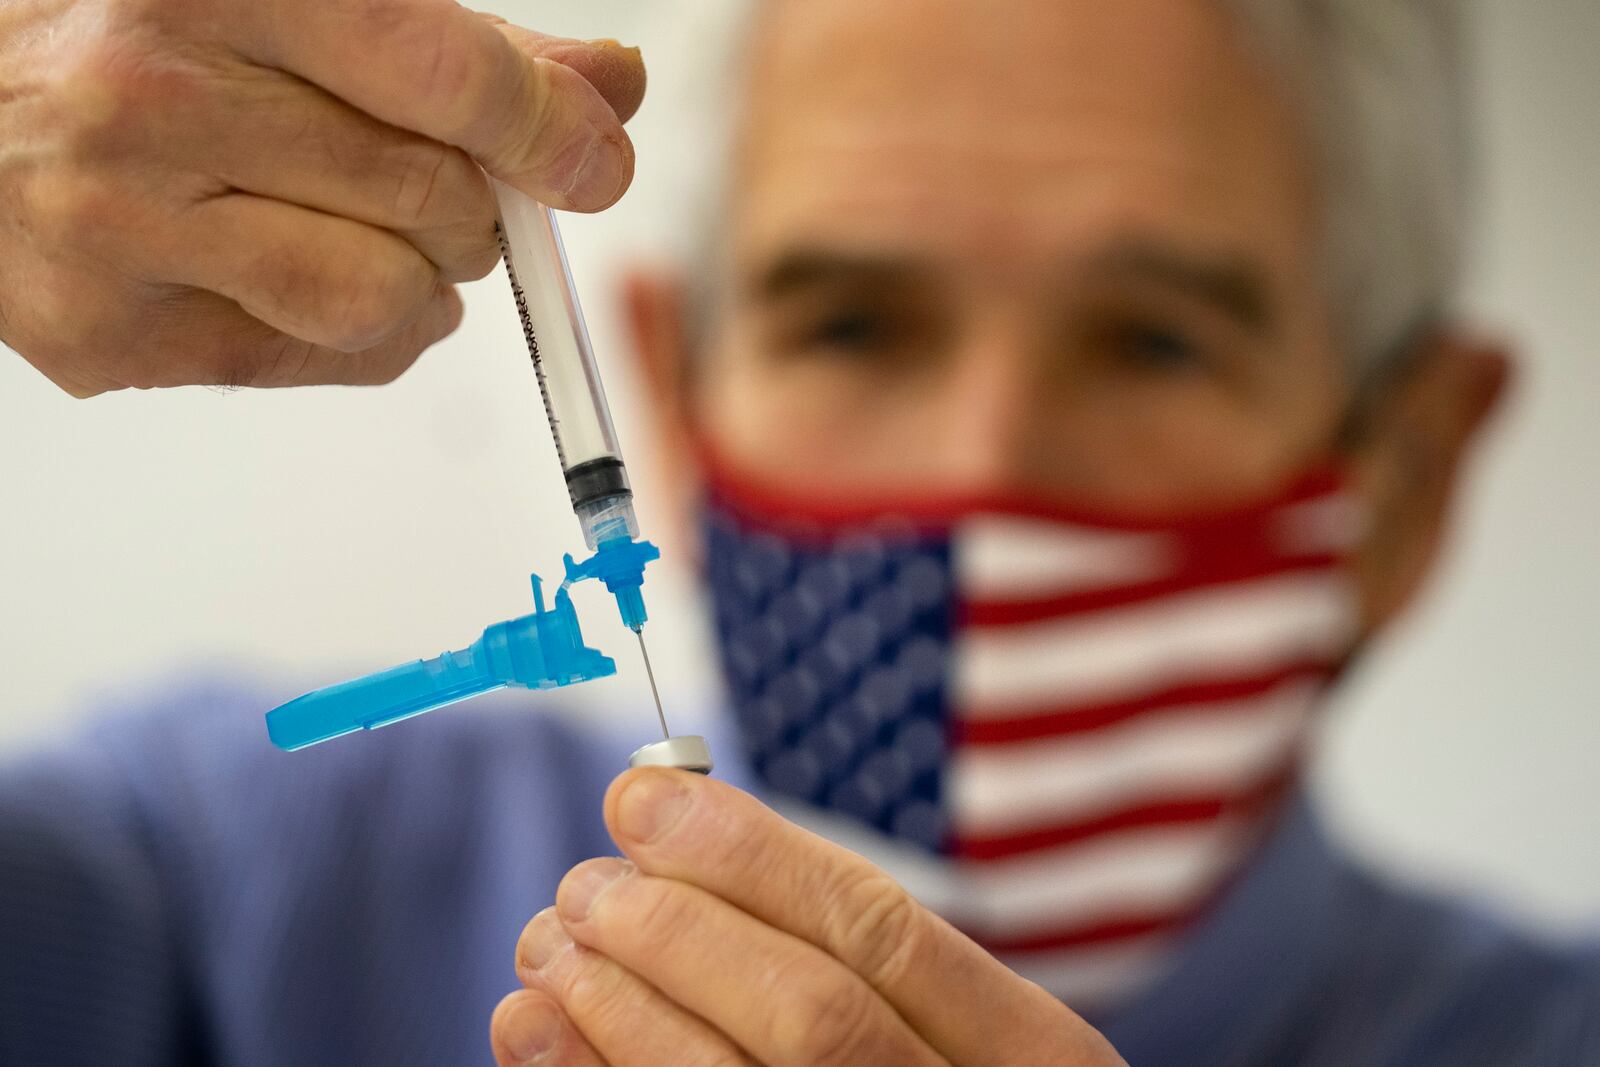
{"x": 238, "y": 193}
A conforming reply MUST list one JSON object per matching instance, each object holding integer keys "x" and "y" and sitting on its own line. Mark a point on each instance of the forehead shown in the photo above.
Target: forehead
{"x": 1015, "y": 130}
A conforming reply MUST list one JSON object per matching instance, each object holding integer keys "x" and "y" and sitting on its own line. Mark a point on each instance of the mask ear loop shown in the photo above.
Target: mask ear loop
{"x": 1395, "y": 366}
{"x": 1398, "y": 363}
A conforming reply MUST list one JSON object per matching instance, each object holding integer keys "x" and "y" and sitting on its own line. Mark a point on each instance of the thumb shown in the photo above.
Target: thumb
{"x": 615, "y": 70}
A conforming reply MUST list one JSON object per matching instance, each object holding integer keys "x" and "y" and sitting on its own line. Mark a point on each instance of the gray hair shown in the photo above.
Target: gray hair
{"x": 1380, "y": 83}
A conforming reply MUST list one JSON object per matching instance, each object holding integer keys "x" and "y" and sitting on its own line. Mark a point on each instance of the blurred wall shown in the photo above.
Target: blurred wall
{"x": 296, "y": 537}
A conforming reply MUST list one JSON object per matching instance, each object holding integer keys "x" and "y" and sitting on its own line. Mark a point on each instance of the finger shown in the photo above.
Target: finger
{"x": 783, "y": 1000}
{"x": 200, "y": 338}
{"x": 705, "y": 832}
{"x": 286, "y": 140}
{"x": 619, "y": 1013}
{"x": 436, "y": 68}
{"x": 614, "y": 69}
{"x": 330, "y": 281}
{"x": 528, "y": 1026}
{"x": 284, "y": 361}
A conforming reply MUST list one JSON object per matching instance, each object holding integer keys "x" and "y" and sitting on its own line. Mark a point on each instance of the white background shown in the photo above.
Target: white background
{"x": 297, "y": 537}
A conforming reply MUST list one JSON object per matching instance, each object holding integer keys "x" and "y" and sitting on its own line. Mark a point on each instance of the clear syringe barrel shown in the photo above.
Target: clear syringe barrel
{"x": 563, "y": 360}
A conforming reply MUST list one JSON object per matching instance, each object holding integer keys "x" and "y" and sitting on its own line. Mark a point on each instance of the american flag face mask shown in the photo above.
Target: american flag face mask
{"x": 1064, "y": 731}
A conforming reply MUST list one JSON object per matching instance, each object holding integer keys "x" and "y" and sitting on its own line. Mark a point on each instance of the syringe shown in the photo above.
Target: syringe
{"x": 580, "y": 421}
{"x": 563, "y": 360}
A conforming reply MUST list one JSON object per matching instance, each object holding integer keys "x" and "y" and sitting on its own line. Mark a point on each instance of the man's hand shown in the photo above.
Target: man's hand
{"x": 276, "y": 193}
{"x": 736, "y": 937}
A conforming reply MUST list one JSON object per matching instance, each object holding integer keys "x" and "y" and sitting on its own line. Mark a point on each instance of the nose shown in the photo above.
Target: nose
{"x": 993, "y": 415}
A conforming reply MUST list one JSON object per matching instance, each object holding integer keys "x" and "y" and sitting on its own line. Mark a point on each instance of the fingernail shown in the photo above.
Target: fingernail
{"x": 651, "y": 805}
{"x": 532, "y": 1030}
{"x": 584, "y": 883}
{"x": 595, "y": 169}
{"x": 545, "y": 940}
{"x": 611, "y": 44}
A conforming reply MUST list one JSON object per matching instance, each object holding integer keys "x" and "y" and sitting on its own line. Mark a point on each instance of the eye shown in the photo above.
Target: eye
{"x": 1158, "y": 348}
{"x": 856, "y": 330}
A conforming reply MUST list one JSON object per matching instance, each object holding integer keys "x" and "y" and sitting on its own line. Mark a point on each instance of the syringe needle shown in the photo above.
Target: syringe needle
{"x": 651, "y": 674}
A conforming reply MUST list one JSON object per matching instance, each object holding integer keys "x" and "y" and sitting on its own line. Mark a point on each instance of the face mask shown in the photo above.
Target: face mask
{"x": 1063, "y": 730}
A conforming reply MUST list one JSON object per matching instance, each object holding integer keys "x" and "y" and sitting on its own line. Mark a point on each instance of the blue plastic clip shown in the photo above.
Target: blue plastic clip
{"x": 539, "y": 651}
{"x": 619, "y": 563}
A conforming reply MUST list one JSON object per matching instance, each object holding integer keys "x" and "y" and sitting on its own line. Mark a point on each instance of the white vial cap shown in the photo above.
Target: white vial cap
{"x": 687, "y": 752}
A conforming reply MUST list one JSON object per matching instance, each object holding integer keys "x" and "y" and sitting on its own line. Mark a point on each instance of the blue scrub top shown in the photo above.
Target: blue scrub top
{"x": 175, "y": 891}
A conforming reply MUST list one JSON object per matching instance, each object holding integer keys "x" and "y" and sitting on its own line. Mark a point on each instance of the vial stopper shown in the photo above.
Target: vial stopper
{"x": 686, "y": 752}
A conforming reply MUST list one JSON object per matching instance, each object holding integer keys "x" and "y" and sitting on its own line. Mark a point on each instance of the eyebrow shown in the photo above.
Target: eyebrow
{"x": 1231, "y": 283}
{"x": 801, "y": 269}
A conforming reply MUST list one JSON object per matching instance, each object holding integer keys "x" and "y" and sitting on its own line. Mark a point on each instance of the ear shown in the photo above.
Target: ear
{"x": 1409, "y": 462}
{"x": 655, "y": 307}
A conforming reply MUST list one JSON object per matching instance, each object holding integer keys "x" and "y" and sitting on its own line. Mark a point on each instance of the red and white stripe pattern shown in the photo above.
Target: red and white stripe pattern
{"x": 1127, "y": 707}
{"x": 1062, "y": 730}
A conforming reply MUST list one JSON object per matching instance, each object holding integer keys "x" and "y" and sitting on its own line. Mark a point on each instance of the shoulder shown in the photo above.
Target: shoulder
{"x": 169, "y": 840}
{"x": 1316, "y": 959}
{"x": 1460, "y": 983}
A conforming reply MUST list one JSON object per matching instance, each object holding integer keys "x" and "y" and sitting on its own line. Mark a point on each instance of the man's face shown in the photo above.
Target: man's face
{"x": 1057, "y": 245}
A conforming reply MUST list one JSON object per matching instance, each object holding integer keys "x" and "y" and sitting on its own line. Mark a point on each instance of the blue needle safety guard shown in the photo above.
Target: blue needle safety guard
{"x": 544, "y": 650}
